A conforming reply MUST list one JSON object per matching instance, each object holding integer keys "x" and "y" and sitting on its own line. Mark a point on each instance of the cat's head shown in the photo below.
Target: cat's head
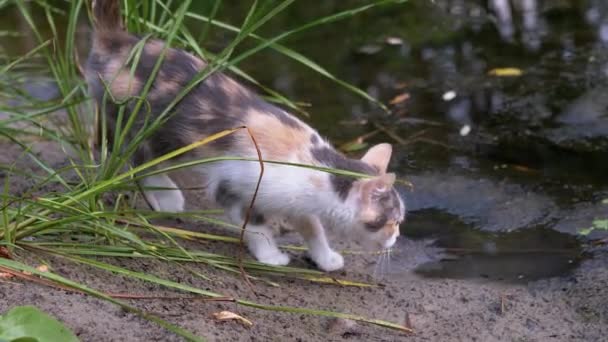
{"x": 380, "y": 208}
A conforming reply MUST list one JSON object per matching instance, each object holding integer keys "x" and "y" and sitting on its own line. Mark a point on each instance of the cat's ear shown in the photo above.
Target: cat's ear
{"x": 378, "y": 156}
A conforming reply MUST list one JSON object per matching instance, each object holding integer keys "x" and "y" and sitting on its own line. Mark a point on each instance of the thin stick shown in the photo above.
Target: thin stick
{"x": 37, "y": 280}
{"x": 434, "y": 142}
{"x": 417, "y": 135}
{"x": 391, "y": 134}
{"x": 248, "y": 213}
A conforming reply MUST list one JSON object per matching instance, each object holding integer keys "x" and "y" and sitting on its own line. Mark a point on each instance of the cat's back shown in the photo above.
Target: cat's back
{"x": 123, "y": 64}
{"x": 118, "y": 64}
{"x": 118, "y": 60}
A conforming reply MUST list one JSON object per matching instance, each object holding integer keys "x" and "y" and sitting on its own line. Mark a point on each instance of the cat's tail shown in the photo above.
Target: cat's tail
{"x": 106, "y": 14}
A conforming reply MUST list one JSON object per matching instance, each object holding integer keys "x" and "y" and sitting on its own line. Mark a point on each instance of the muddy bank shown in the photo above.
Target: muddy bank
{"x": 567, "y": 308}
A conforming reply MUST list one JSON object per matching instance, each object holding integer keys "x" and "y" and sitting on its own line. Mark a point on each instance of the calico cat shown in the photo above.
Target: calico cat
{"x": 310, "y": 200}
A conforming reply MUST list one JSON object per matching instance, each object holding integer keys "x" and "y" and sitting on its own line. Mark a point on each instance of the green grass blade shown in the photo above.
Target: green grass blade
{"x": 187, "y": 288}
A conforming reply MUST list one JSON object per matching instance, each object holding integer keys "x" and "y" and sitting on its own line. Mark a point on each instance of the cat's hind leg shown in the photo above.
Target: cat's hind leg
{"x": 162, "y": 193}
{"x": 160, "y": 190}
{"x": 262, "y": 245}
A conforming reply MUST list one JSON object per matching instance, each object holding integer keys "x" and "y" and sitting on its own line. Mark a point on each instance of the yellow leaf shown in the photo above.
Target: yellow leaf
{"x": 227, "y": 315}
{"x": 506, "y": 72}
{"x": 399, "y": 98}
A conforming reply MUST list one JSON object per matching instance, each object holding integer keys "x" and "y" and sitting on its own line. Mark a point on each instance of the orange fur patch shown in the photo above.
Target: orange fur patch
{"x": 232, "y": 88}
{"x": 154, "y": 47}
{"x": 278, "y": 141}
{"x": 124, "y": 86}
{"x": 164, "y": 86}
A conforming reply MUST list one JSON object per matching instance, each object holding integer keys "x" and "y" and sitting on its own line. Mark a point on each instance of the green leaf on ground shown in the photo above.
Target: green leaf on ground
{"x": 29, "y": 324}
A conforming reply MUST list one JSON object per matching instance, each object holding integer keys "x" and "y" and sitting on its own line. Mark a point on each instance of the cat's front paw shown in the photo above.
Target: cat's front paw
{"x": 328, "y": 260}
{"x": 275, "y": 258}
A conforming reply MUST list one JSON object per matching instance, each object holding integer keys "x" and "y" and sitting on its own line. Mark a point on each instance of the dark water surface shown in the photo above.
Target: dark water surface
{"x": 506, "y": 170}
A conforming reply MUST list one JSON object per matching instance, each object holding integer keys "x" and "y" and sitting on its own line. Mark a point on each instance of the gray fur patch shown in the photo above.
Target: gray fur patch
{"x": 255, "y": 217}
{"x": 331, "y": 158}
{"x": 224, "y": 195}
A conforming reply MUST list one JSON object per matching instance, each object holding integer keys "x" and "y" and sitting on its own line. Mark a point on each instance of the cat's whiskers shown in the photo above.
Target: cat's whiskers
{"x": 388, "y": 263}
{"x": 375, "y": 273}
{"x": 384, "y": 262}
{"x": 379, "y": 270}
{"x": 390, "y": 255}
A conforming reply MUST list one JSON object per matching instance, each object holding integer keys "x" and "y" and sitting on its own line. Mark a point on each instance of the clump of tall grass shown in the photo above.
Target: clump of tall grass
{"x": 38, "y": 220}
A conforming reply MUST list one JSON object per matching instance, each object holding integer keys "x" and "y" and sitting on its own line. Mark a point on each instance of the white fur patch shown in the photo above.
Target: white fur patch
{"x": 168, "y": 199}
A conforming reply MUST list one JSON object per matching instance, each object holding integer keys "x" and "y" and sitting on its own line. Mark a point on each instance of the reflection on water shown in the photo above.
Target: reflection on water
{"x": 544, "y": 132}
{"x": 520, "y": 256}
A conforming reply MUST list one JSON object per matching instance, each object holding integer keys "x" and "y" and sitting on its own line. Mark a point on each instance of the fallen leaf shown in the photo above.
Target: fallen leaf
{"x": 399, "y": 98}
{"x": 4, "y": 275}
{"x": 5, "y": 253}
{"x": 506, "y": 72}
{"x": 400, "y": 85}
{"x": 354, "y": 146}
{"x": 523, "y": 168}
{"x": 227, "y": 315}
{"x": 28, "y": 323}
{"x": 43, "y": 268}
